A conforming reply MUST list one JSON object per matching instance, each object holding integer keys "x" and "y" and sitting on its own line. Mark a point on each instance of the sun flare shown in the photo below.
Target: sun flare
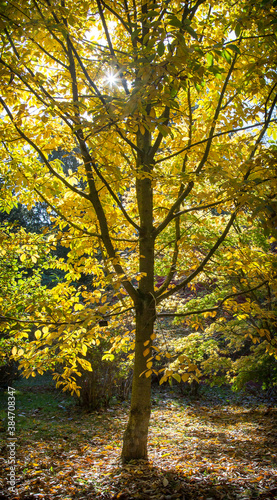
{"x": 112, "y": 78}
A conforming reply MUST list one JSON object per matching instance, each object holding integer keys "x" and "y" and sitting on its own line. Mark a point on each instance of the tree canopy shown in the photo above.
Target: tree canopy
{"x": 169, "y": 108}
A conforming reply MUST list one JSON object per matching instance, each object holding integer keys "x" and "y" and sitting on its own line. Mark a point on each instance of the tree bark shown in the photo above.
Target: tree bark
{"x": 136, "y": 433}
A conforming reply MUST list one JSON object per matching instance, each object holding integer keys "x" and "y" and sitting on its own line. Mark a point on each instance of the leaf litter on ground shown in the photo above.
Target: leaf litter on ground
{"x": 202, "y": 450}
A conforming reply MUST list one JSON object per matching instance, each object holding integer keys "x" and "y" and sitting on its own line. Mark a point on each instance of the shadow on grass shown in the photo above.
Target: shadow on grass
{"x": 140, "y": 481}
{"x": 257, "y": 439}
{"x": 199, "y": 452}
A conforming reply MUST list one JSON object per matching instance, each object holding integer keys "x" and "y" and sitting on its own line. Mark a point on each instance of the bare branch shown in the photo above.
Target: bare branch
{"x": 262, "y": 133}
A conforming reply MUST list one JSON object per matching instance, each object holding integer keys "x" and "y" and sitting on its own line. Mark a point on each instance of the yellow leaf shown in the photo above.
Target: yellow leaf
{"x": 185, "y": 377}
{"x": 146, "y": 352}
{"x": 85, "y": 364}
{"x": 163, "y": 379}
{"x": 148, "y": 373}
{"x": 146, "y": 343}
{"x": 23, "y": 257}
{"x": 192, "y": 367}
{"x": 14, "y": 350}
{"x": 78, "y": 307}
{"x": 37, "y": 334}
{"x": 103, "y": 309}
{"x": 84, "y": 349}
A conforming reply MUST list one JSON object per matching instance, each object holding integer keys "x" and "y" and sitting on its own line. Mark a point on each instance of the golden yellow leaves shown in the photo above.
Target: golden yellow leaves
{"x": 78, "y": 307}
{"x": 14, "y": 350}
{"x": 146, "y": 352}
{"x": 37, "y": 334}
{"x": 17, "y": 352}
{"x": 86, "y": 365}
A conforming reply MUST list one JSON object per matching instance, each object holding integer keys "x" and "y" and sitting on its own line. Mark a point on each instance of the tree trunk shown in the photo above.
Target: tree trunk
{"x": 135, "y": 435}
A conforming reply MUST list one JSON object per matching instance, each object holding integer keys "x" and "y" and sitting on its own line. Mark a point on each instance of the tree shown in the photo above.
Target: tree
{"x": 23, "y": 258}
{"x": 170, "y": 107}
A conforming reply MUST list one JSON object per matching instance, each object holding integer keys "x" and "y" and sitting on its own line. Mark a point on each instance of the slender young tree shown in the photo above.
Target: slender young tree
{"x": 169, "y": 107}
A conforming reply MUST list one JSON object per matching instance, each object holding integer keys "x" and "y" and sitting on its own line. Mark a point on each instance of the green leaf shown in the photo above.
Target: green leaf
{"x": 210, "y": 59}
{"x": 164, "y": 130}
{"x": 160, "y": 48}
{"x": 226, "y": 56}
{"x": 174, "y": 21}
{"x": 233, "y": 47}
{"x": 237, "y": 30}
{"x": 191, "y": 31}
{"x": 173, "y": 92}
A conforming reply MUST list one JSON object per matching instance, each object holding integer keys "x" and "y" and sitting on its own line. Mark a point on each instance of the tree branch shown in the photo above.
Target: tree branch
{"x": 216, "y": 115}
{"x": 70, "y": 223}
{"x": 216, "y": 308}
{"x": 6, "y": 319}
{"x": 201, "y": 207}
{"x": 118, "y": 16}
{"x": 183, "y": 283}
{"x": 100, "y": 10}
{"x": 118, "y": 202}
{"x": 159, "y": 139}
{"x": 41, "y": 154}
{"x": 198, "y": 143}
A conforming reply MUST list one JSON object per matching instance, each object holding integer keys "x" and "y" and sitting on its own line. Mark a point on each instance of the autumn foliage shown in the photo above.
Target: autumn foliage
{"x": 169, "y": 108}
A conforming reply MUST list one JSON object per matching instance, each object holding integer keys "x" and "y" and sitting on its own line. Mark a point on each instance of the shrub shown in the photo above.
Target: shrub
{"x": 108, "y": 381}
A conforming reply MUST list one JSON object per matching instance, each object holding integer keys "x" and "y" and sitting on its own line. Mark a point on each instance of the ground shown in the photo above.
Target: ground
{"x": 221, "y": 446}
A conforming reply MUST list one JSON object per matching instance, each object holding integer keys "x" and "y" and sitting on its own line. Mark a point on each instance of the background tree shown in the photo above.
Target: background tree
{"x": 170, "y": 106}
